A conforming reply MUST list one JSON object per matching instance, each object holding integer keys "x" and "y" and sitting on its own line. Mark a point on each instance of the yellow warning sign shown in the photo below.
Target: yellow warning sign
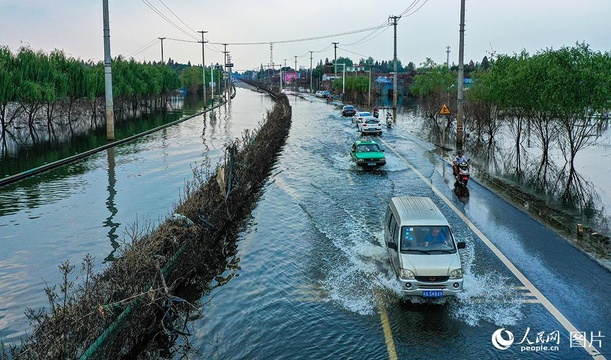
{"x": 444, "y": 110}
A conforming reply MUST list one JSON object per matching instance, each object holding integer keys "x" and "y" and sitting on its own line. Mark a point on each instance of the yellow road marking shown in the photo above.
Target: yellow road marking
{"x": 390, "y": 343}
{"x": 588, "y": 346}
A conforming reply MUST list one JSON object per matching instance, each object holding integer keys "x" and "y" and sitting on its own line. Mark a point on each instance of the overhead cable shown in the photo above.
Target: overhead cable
{"x": 152, "y": 7}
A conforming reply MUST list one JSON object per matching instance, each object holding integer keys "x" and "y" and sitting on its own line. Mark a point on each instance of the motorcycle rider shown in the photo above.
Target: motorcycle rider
{"x": 459, "y": 158}
{"x": 376, "y": 112}
{"x": 388, "y": 119}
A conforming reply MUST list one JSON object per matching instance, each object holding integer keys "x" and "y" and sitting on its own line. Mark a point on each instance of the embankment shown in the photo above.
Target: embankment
{"x": 139, "y": 305}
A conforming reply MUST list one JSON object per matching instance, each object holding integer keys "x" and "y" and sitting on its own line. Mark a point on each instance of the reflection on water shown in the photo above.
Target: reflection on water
{"x": 20, "y": 152}
{"x": 545, "y": 175}
{"x": 110, "y": 204}
{"x": 90, "y": 205}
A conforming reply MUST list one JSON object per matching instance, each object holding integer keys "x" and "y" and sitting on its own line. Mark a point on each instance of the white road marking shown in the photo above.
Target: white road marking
{"x": 588, "y": 346}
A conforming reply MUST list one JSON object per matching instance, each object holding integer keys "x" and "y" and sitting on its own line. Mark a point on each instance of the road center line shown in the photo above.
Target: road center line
{"x": 593, "y": 351}
{"x": 390, "y": 343}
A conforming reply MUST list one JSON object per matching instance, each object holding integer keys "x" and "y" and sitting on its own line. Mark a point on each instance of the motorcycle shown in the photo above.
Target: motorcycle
{"x": 389, "y": 120}
{"x": 462, "y": 178}
{"x": 463, "y": 173}
{"x": 376, "y": 113}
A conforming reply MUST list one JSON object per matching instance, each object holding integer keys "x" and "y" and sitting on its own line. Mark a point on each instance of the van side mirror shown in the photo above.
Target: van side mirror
{"x": 392, "y": 245}
{"x": 461, "y": 244}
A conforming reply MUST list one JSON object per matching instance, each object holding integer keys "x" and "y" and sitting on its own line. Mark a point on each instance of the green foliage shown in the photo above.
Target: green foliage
{"x": 433, "y": 80}
{"x": 191, "y": 78}
{"x": 30, "y": 78}
{"x": 568, "y": 81}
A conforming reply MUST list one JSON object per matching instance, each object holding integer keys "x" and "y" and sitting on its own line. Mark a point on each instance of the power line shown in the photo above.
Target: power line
{"x": 305, "y": 39}
{"x": 185, "y": 24}
{"x": 143, "y": 48}
{"x": 370, "y": 36}
{"x": 411, "y": 6}
{"x": 352, "y": 52}
{"x": 152, "y": 7}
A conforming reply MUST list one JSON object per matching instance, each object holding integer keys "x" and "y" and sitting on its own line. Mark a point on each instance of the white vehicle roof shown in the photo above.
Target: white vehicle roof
{"x": 418, "y": 211}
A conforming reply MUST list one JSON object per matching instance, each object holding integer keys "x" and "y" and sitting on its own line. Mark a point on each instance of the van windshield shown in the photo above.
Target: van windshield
{"x": 427, "y": 239}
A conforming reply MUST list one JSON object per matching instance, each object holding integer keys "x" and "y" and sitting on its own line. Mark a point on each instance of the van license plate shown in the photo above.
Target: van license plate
{"x": 371, "y": 164}
{"x": 432, "y": 293}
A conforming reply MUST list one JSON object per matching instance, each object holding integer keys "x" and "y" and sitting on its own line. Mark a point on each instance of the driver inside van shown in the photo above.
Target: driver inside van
{"x": 435, "y": 236}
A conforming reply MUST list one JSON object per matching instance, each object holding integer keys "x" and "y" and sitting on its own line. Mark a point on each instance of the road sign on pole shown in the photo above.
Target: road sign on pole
{"x": 444, "y": 110}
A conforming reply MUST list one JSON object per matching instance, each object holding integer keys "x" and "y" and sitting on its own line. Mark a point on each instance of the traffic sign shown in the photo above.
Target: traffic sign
{"x": 444, "y": 110}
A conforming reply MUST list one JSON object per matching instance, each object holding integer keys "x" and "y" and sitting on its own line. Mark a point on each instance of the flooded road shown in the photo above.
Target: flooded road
{"x": 311, "y": 277}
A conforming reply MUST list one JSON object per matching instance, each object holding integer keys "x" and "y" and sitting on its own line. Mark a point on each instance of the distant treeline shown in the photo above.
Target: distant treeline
{"x": 560, "y": 97}
{"x": 55, "y": 88}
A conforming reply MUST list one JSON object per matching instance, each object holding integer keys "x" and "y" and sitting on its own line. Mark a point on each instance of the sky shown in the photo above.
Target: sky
{"x": 300, "y": 30}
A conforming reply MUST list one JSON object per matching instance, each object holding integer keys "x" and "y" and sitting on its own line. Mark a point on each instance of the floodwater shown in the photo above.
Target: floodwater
{"x": 311, "y": 277}
{"x": 90, "y": 205}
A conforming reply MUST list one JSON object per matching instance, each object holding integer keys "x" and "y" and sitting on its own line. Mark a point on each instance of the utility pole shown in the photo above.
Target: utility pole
{"x": 448, "y": 56}
{"x": 229, "y": 77}
{"x": 225, "y": 66}
{"x": 460, "y": 113}
{"x": 311, "y": 71}
{"x": 335, "y": 59}
{"x": 161, "y": 38}
{"x": 369, "y": 90}
{"x": 281, "y": 74}
{"x": 203, "y": 66}
{"x": 296, "y": 75}
{"x": 110, "y": 116}
{"x": 394, "y": 77}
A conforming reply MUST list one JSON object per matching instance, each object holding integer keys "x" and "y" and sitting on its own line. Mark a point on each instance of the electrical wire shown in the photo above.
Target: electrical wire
{"x": 143, "y": 48}
{"x": 152, "y": 7}
{"x": 412, "y": 5}
{"x": 375, "y": 31}
{"x": 179, "y": 19}
{"x": 304, "y": 39}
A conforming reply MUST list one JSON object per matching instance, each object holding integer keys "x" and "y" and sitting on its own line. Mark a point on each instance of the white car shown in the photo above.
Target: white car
{"x": 367, "y": 123}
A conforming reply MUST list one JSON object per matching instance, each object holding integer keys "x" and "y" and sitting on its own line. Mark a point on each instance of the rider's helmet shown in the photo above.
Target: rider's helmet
{"x": 460, "y": 152}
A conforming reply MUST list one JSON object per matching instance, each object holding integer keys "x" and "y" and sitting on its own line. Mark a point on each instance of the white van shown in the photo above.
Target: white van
{"x": 422, "y": 249}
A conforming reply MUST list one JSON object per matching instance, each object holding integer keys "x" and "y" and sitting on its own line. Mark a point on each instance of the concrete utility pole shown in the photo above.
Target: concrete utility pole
{"x": 369, "y": 91}
{"x": 334, "y": 58}
{"x": 394, "y": 77}
{"x": 297, "y": 73}
{"x": 281, "y": 80}
{"x": 110, "y": 116}
{"x": 225, "y": 67}
{"x": 161, "y": 38}
{"x": 311, "y": 71}
{"x": 203, "y": 66}
{"x": 448, "y": 56}
{"x": 229, "y": 77}
{"x": 460, "y": 113}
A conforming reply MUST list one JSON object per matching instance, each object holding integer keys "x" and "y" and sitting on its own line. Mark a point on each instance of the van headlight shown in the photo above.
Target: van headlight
{"x": 456, "y": 274}
{"x": 406, "y": 274}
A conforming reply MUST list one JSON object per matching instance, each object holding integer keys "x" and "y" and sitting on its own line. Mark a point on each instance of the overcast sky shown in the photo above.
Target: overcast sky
{"x": 424, "y": 31}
